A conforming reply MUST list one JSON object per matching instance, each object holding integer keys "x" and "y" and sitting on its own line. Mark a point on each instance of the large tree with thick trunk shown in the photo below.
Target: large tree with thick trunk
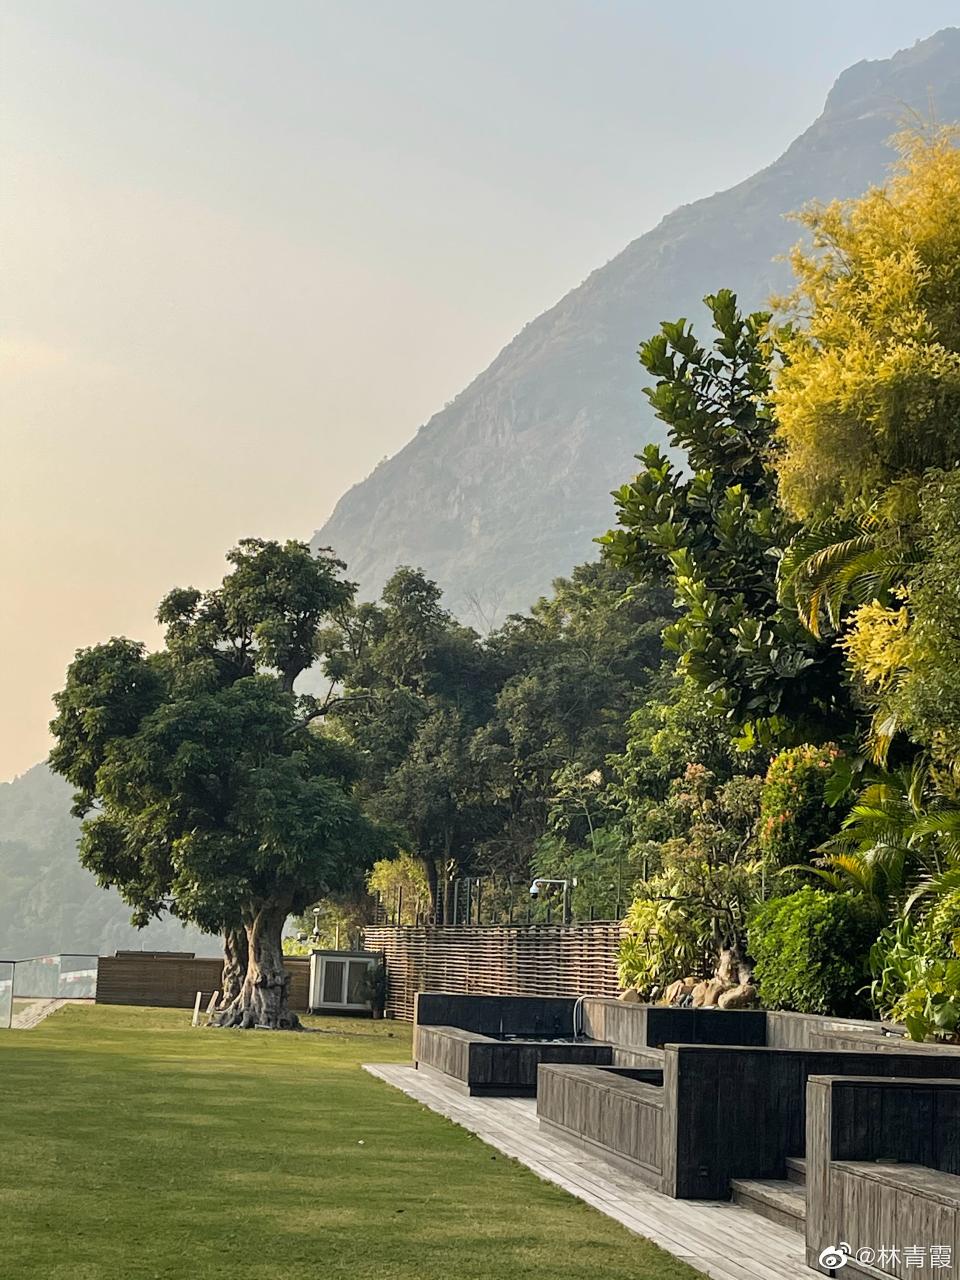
{"x": 207, "y": 787}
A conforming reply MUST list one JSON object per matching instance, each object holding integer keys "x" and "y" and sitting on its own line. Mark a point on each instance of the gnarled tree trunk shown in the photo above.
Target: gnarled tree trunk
{"x": 262, "y": 999}
{"x": 235, "y": 955}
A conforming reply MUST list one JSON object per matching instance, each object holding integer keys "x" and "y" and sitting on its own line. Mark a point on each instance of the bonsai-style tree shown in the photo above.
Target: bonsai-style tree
{"x": 206, "y": 785}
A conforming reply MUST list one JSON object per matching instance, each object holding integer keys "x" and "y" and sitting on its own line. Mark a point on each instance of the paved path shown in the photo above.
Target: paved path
{"x": 34, "y": 1013}
{"x": 724, "y": 1241}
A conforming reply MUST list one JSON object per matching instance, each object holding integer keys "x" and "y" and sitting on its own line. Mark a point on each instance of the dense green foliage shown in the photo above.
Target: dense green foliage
{"x": 479, "y": 753}
{"x": 849, "y": 413}
{"x": 708, "y": 876}
{"x": 812, "y": 951}
{"x": 870, "y": 391}
{"x": 717, "y": 531}
{"x": 796, "y": 816}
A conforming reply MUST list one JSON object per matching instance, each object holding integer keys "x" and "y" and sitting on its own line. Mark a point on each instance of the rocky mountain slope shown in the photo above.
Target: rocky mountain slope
{"x": 506, "y": 487}
{"x": 48, "y": 903}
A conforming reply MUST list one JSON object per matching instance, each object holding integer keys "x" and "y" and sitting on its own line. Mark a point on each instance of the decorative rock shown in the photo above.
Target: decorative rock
{"x": 630, "y": 996}
{"x": 678, "y": 991}
{"x": 707, "y": 994}
{"x": 732, "y": 968}
{"x": 744, "y": 996}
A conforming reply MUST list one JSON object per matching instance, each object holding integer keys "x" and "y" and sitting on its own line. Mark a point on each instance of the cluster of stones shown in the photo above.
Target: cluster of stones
{"x": 731, "y": 987}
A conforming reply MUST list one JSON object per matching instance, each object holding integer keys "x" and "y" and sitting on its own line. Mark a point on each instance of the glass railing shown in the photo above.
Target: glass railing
{"x": 61, "y": 977}
{"x": 6, "y": 993}
{"x": 78, "y": 978}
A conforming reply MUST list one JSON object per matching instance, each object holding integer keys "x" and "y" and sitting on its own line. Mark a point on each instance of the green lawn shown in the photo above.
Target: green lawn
{"x": 133, "y": 1147}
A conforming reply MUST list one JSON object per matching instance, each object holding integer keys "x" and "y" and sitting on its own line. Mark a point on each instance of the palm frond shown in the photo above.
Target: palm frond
{"x": 836, "y": 562}
{"x": 947, "y": 882}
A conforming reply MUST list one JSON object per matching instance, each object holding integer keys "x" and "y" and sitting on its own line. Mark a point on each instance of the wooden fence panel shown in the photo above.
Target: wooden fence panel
{"x": 515, "y": 960}
{"x": 172, "y": 981}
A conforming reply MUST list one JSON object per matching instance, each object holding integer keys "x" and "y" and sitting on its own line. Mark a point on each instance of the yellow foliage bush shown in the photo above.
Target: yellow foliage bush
{"x": 878, "y": 644}
{"x": 869, "y": 391}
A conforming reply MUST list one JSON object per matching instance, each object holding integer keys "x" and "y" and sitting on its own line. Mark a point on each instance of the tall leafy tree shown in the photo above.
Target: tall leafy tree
{"x": 574, "y": 668}
{"x": 417, "y": 687}
{"x": 869, "y": 393}
{"x": 716, "y": 530}
{"x": 204, "y": 783}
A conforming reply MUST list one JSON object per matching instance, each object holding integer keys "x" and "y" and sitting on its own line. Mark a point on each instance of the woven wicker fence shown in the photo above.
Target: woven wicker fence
{"x": 524, "y": 960}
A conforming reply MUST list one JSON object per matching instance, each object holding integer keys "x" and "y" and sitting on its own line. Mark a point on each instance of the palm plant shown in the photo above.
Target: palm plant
{"x": 850, "y": 559}
{"x": 897, "y": 843}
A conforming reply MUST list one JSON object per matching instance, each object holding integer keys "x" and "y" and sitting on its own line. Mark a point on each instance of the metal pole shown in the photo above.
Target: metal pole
{"x": 469, "y": 903}
{"x": 479, "y": 899}
{"x": 566, "y": 902}
{"x": 456, "y": 895}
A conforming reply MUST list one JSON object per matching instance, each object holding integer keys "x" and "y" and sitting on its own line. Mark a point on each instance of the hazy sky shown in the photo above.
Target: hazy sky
{"x": 249, "y": 248}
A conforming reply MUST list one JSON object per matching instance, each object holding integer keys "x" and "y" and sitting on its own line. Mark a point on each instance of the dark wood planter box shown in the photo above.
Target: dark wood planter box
{"x": 480, "y": 1064}
{"x": 883, "y": 1159}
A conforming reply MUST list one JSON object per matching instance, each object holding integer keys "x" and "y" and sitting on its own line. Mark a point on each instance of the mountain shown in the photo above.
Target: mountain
{"x": 506, "y": 487}
{"x": 48, "y": 903}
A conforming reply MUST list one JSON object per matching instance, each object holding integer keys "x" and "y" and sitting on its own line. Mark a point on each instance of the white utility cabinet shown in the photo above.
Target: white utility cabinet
{"x": 338, "y": 980}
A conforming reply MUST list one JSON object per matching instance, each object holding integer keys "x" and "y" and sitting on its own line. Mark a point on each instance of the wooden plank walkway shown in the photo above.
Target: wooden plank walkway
{"x": 721, "y": 1240}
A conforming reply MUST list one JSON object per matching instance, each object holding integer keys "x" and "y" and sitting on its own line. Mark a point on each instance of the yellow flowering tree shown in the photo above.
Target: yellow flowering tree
{"x": 869, "y": 392}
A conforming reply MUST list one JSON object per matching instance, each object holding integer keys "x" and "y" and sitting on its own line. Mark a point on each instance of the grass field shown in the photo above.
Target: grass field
{"x": 135, "y": 1148}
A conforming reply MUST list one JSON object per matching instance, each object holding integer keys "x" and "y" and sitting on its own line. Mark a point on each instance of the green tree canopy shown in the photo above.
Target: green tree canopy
{"x": 203, "y": 781}
{"x": 869, "y": 392}
{"x": 717, "y": 531}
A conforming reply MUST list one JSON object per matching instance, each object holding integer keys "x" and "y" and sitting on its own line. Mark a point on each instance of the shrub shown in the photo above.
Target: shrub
{"x": 917, "y": 971}
{"x": 811, "y": 951}
{"x": 661, "y": 943}
{"x": 795, "y": 817}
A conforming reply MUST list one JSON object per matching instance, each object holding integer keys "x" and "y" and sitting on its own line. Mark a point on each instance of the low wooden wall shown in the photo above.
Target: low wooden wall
{"x": 815, "y": 1031}
{"x": 481, "y": 1065}
{"x": 524, "y": 960}
{"x": 172, "y": 981}
{"x": 882, "y": 1160}
{"x": 604, "y": 1110}
{"x": 738, "y": 1113}
{"x": 445, "y": 1049}
{"x": 648, "y": 1026}
{"x": 497, "y": 1015}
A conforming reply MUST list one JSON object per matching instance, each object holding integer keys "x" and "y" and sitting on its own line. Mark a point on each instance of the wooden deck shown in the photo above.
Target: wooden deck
{"x": 721, "y": 1240}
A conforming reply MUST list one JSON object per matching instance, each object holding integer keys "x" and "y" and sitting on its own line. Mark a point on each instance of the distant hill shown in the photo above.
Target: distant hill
{"x": 506, "y": 487}
{"x": 48, "y": 903}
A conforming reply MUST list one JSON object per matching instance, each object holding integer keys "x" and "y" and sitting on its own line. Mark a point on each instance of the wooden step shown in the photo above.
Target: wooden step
{"x": 775, "y": 1199}
{"x": 797, "y": 1170}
